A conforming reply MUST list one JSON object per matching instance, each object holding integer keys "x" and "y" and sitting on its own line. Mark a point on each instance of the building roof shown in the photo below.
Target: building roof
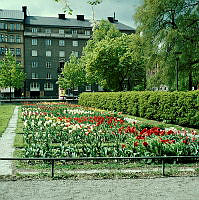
{"x": 53, "y": 21}
{"x": 68, "y": 22}
{"x": 11, "y": 14}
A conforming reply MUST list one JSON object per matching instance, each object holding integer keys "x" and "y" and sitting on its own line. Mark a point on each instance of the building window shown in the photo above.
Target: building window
{"x": 6, "y": 50}
{"x": 87, "y": 32}
{"x": 34, "y": 30}
{"x": 48, "y": 64}
{"x": 81, "y": 31}
{"x": 18, "y": 51}
{"x": 74, "y": 31}
{"x": 11, "y": 38}
{"x": 12, "y": 27}
{"x": 48, "y": 42}
{"x": 75, "y": 53}
{"x": 48, "y": 30}
{"x": 18, "y": 27}
{"x": 34, "y": 85}
{"x": 6, "y": 26}
{"x": 61, "y": 43}
{"x": 75, "y": 43}
{"x": 34, "y": 42}
{"x": 1, "y": 38}
{"x": 18, "y": 38}
{"x": 75, "y": 88}
{"x": 61, "y": 31}
{"x": 61, "y": 66}
{"x": 88, "y": 88}
{"x": 34, "y": 52}
{"x": 5, "y": 38}
{"x": 34, "y": 64}
{"x": 61, "y": 53}
{"x": 35, "y": 76}
{"x": 18, "y": 62}
{"x": 12, "y": 51}
{"x": 48, "y": 53}
{"x": 68, "y": 31}
{"x": 1, "y": 50}
{"x": 100, "y": 89}
{"x": 1, "y": 25}
{"x": 48, "y": 86}
{"x": 48, "y": 76}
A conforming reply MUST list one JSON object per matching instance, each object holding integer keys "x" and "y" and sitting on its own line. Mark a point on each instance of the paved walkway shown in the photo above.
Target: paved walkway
{"x": 6, "y": 145}
{"x": 173, "y": 188}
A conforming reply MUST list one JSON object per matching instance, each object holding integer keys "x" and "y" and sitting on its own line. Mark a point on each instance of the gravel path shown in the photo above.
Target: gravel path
{"x": 173, "y": 188}
{"x": 6, "y": 145}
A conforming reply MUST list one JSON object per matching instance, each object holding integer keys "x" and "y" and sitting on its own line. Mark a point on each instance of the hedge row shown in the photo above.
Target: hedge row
{"x": 172, "y": 107}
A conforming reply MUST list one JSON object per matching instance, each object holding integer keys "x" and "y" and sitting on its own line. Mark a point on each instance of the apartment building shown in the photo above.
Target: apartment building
{"x": 45, "y": 44}
{"x": 12, "y": 38}
{"x": 49, "y": 42}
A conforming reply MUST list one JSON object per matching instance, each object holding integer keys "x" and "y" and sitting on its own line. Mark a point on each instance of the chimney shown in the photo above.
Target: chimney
{"x": 24, "y": 10}
{"x": 80, "y": 17}
{"x": 115, "y": 20}
{"x": 61, "y": 16}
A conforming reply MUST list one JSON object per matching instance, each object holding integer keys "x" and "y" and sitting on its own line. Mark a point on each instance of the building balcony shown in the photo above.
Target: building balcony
{"x": 57, "y": 35}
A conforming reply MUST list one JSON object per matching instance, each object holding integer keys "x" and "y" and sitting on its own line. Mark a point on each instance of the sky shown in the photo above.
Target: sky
{"x": 124, "y": 9}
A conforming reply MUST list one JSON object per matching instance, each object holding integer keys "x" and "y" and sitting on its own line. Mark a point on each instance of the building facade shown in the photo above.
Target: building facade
{"x": 12, "y": 38}
{"x": 45, "y": 44}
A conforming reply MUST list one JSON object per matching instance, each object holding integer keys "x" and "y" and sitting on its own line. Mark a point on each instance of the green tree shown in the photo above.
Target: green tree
{"x": 67, "y": 8}
{"x": 171, "y": 31}
{"x": 73, "y": 74}
{"x": 11, "y": 73}
{"x": 113, "y": 59}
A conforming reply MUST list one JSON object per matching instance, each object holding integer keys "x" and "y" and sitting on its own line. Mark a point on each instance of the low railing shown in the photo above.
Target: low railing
{"x": 162, "y": 158}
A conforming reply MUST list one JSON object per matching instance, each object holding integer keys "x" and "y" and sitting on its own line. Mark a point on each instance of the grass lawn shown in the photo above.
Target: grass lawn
{"x": 6, "y": 112}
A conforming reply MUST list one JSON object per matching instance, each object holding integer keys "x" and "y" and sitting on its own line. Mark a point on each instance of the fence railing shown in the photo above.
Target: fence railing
{"x": 162, "y": 158}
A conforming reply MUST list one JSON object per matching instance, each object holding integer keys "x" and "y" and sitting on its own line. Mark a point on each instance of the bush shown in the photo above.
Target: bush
{"x": 172, "y": 107}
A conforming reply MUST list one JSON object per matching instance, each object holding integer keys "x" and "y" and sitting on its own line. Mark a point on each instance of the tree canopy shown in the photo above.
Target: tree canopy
{"x": 67, "y": 7}
{"x": 11, "y": 73}
{"x": 73, "y": 74}
{"x": 111, "y": 59}
{"x": 171, "y": 32}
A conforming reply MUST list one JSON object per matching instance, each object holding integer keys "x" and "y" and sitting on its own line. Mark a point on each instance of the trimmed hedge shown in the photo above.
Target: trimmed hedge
{"x": 172, "y": 107}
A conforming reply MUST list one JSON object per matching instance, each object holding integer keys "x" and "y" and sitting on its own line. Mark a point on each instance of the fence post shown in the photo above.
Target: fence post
{"x": 163, "y": 167}
{"x": 52, "y": 169}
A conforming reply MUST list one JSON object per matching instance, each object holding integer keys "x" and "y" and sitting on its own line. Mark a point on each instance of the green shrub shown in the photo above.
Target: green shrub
{"x": 172, "y": 107}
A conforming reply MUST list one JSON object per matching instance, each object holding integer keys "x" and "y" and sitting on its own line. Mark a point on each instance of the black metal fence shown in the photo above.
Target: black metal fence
{"x": 163, "y": 160}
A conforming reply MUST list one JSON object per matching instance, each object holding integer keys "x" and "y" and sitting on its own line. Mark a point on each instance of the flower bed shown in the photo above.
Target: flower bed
{"x": 63, "y": 130}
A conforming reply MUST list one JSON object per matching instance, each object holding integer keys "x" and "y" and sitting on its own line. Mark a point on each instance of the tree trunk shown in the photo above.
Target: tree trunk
{"x": 10, "y": 93}
{"x": 190, "y": 80}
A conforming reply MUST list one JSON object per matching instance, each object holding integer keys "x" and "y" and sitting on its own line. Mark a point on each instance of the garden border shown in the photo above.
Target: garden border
{"x": 162, "y": 158}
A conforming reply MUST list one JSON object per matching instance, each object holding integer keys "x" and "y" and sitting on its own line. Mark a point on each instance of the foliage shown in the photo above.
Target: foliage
{"x": 62, "y": 130}
{"x": 6, "y": 112}
{"x": 125, "y": 66}
{"x": 180, "y": 108}
{"x": 110, "y": 59}
{"x": 11, "y": 73}
{"x": 67, "y": 8}
{"x": 170, "y": 30}
{"x": 73, "y": 74}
